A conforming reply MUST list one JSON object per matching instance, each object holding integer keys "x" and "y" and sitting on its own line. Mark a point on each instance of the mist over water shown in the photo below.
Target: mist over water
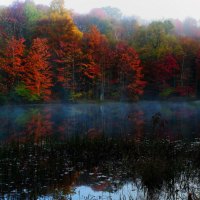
{"x": 145, "y": 150}
{"x": 111, "y": 119}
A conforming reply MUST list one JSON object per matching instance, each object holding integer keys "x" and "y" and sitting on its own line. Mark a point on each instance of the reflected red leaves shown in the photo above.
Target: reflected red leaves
{"x": 93, "y": 134}
{"x": 138, "y": 119}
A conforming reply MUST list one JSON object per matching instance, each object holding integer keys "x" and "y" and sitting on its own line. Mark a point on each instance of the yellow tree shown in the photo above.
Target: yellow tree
{"x": 63, "y": 39}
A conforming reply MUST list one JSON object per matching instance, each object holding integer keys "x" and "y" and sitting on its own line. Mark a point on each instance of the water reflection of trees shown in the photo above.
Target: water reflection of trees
{"x": 109, "y": 119}
{"x": 159, "y": 168}
{"x": 41, "y": 122}
{"x": 52, "y": 150}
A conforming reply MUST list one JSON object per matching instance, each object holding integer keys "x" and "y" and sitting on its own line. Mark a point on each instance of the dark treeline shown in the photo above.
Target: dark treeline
{"x": 53, "y": 54}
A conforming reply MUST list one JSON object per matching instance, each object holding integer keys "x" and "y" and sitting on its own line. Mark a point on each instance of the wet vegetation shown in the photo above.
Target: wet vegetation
{"x": 159, "y": 168}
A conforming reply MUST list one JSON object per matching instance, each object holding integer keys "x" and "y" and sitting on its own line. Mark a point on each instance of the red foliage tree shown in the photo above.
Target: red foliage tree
{"x": 96, "y": 58}
{"x": 166, "y": 68}
{"x": 38, "y": 76}
{"x": 99, "y": 13}
{"x": 164, "y": 73}
{"x": 11, "y": 62}
{"x": 68, "y": 61}
{"x": 129, "y": 70}
{"x": 185, "y": 90}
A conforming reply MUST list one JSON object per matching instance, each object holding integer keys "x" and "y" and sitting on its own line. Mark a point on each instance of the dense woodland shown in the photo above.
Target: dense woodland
{"x": 51, "y": 54}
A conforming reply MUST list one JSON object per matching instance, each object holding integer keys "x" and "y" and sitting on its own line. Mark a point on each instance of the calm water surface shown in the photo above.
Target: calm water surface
{"x": 145, "y": 150}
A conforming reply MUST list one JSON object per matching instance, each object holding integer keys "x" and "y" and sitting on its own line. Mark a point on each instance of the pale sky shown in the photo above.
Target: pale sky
{"x": 147, "y": 9}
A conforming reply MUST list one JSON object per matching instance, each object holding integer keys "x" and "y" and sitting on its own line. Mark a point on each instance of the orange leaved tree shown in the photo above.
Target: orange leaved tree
{"x": 37, "y": 76}
{"x": 96, "y": 59}
{"x": 11, "y": 62}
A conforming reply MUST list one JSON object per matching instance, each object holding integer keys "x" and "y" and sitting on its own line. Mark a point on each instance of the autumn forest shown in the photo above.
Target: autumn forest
{"x": 51, "y": 54}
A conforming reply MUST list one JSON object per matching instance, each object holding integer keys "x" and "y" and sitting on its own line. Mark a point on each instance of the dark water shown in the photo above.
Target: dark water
{"x": 146, "y": 150}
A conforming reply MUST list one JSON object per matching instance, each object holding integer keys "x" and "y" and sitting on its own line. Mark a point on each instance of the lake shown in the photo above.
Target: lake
{"x": 144, "y": 150}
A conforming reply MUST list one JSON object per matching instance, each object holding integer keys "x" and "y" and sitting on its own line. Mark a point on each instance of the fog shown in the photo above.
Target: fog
{"x": 151, "y": 9}
{"x": 97, "y": 164}
{"x": 112, "y": 119}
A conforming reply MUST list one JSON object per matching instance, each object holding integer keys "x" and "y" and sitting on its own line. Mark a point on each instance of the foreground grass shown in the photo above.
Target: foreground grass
{"x": 49, "y": 166}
